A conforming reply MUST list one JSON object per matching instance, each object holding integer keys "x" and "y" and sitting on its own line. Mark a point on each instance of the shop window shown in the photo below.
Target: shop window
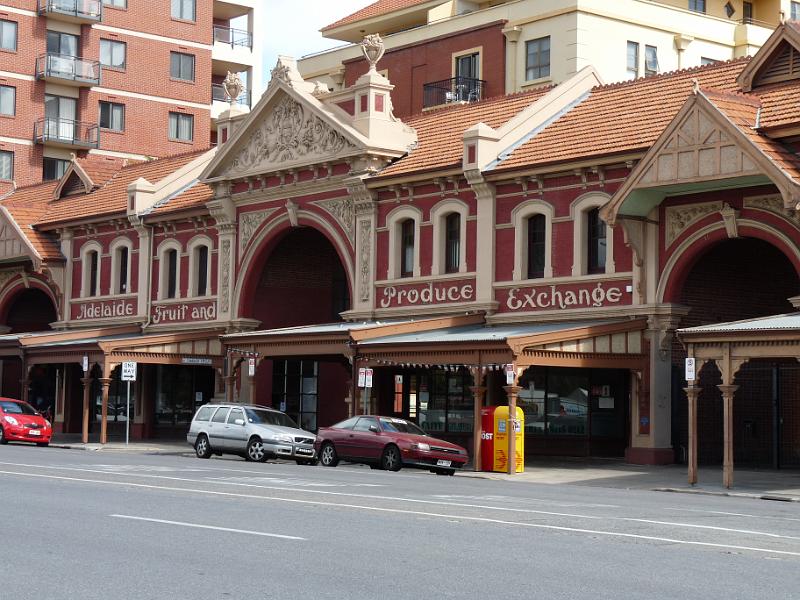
{"x": 441, "y": 401}
{"x": 8, "y": 35}
{"x": 596, "y": 242}
{"x": 6, "y": 165}
{"x": 632, "y": 60}
{"x": 53, "y": 168}
{"x": 398, "y": 395}
{"x": 537, "y": 58}
{"x": 407, "y": 239}
{"x": 181, "y": 127}
{"x": 181, "y": 66}
{"x": 180, "y": 391}
{"x": 452, "y": 243}
{"x": 183, "y": 9}
{"x": 91, "y": 272}
{"x": 295, "y": 390}
{"x": 8, "y": 100}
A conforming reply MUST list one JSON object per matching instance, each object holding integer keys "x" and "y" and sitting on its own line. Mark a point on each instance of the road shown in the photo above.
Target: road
{"x": 83, "y": 525}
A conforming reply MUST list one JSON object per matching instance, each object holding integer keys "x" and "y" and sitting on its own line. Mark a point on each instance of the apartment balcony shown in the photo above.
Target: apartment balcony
{"x": 66, "y": 133}
{"x": 232, "y": 50}
{"x": 461, "y": 90}
{"x": 72, "y": 11}
{"x": 68, "y": 70}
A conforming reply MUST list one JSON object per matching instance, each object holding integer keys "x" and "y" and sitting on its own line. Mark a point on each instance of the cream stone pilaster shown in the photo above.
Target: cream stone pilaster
{"x": 66, "y": 238}
{"x": 485, "y": 243}
{"x": 224, "y": 213}
{"x": 144, "y": 276}
{"x": 512, "y": 53}
{"x": 366, "y": 215}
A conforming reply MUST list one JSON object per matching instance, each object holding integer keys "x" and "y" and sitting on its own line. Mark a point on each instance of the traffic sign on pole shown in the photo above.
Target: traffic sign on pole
{"x": 128, "y": 371}
{"x": 128, "y": 374}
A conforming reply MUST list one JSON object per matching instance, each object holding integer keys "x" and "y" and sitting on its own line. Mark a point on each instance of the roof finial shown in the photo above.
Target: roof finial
{"x": 783, "y": 17}
{"x": 233, "y": 87}
{"x": 695, "y": 86}
{"x": 373, "y": 48}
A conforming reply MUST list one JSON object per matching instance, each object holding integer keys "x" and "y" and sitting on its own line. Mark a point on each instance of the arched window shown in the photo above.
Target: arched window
{"x": 595, "y": 242}
{"x": 121, "y": 266}
{"x": 537, "y": 246}
{"x": 201, "y": 267}
{"x": 171, "y": 273}
{"x": 407, "y": 242}
{"x": 452, "y": 243}
{"x": 93, "y": 265}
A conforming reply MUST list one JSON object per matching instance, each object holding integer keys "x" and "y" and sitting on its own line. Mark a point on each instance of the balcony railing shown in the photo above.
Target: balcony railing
{"x": 456, "y": 89}
{"x": 218, "y": 95}
{"x": 234, "y": 37}
{"x": 80, "y": 10}
{"x": 68, "y": 68}
{"x": 752, "y": 21}
{"x": 66, "y": 132}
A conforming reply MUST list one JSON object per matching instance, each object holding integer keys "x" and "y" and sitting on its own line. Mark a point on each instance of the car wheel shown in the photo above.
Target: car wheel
{"x": 201, "y": 447}
{"x": 43, "y": 444}
{"x": 390, "y": 460}
{"x": 328, "y": 456}
{"x": 3, "y": 439}
{"x": 256, "y": 451}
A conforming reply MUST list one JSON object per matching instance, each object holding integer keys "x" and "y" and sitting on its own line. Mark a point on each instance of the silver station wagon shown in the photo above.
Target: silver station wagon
{"x": 254, "y": 432}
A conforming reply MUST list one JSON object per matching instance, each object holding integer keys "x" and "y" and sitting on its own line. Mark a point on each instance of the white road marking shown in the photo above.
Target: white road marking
{"x": 421, "y": 501}
{"x": 409, "y": 512}
{"x": 198, "y": 526}
{"x": 731, "y": 514}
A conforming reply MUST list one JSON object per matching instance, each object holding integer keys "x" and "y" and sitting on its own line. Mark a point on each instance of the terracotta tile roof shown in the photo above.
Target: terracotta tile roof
{"x": 111, "y": 197}
{"x": 193, "y": 196}
{"x": 781, "y": 106}
{"x": 101, "y": 168}
{"x": 622, "y": 117}
{"x": 742, "y": 110}
{"x": 29, "y": 204}
{"x": 376, "y": 9}
{"x": 440, "y": 131}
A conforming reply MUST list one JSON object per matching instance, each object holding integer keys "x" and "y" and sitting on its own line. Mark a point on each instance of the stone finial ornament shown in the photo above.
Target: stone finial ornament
{"x": 233, "y": 87}
{"x": 373, "y": 48}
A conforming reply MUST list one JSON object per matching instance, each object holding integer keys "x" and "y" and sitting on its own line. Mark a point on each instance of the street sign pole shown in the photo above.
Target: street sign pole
{"x": 128, "y": 416}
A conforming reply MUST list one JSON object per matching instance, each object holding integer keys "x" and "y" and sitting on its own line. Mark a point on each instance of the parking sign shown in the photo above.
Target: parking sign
{"x": 128, "y": 371}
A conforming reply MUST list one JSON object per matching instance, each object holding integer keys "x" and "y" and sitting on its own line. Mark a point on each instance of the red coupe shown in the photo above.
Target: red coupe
{"x": 387, "y": 443}
{"x": 20, "y": 422}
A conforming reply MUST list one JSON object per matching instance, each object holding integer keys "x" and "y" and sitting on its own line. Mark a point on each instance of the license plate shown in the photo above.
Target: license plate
{"x": 34, "y": 432}
{"x": 303, "y": 451}
{"x": 443, "y": 463}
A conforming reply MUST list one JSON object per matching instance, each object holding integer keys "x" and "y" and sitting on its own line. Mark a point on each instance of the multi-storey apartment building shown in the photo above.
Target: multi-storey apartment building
{"x": 128, "y": 79}
{"x": 444, "y": 51}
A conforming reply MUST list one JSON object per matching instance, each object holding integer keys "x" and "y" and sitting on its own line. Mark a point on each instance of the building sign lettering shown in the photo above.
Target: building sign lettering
{"x": 109, "y": 309}
{"x": 182, "y": 313}
{"x": 431, "y": 293}
{"x": 568, "y": 296}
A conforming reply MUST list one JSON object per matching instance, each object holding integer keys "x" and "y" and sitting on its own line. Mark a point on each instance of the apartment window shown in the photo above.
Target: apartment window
{"x": 407, "y": 248}
{"x": 91, "y": 266}
{"x": 65, "y": 44}
{"x": 452, "y": 243}
{"x": 112, "y": 54}
{"x": 537, "y": 58}
{"x": 650, "y": 61}
{"x": 181, "y": 127}
{"x": 596, "y": 238}
{"x": 8, "y": 35}
{"x": 201, "y": 270}
{"x": 469, "y": 66}
{"x": 122, "y": 259}
{"x": 6, "y": 165}
{"x": 707, "y": 61}
{"x": 632, "y": 60}
{"x": 795, "y": 10}
{"x": 537, "y": 245}
{"x": 8, "y": 100}
{"x": 747, "y": 11}
{"x": 171, "y": 273}
{"x": 53, "y": 168}
{"x": 183, "y": 9}
{"x": 181, "y": 66}
{"x": 116, "y": 3}
{"x": 112, "y": 116}
{"x": 697, "y": 5}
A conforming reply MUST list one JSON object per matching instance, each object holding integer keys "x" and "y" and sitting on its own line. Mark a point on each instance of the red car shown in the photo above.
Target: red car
{"x": 20, "y": 422}
{"x": 387, "y": 443}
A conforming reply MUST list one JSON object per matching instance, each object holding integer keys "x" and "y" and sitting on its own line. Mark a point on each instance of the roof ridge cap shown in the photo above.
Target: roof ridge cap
{"x": 675, "y": 73}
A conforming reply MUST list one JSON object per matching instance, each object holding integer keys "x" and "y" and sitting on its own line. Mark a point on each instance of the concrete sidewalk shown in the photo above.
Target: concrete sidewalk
{"x": 781, "y": 485}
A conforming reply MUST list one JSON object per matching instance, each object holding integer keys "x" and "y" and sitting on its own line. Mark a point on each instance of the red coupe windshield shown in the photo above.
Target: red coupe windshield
{"x": 400, "y": 426}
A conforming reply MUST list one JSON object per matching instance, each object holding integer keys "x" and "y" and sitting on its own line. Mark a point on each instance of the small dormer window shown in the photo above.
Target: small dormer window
{"x": 785, "y": 65}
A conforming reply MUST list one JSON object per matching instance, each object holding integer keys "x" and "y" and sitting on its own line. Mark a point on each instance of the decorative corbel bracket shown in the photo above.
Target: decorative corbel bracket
{"x": 730, "y": 216}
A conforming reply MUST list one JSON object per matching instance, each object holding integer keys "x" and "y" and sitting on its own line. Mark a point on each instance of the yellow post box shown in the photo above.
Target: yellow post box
{"x": 501, "y": 433}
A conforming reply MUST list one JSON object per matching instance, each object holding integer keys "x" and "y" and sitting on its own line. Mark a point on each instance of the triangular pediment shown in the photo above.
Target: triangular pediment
{"x": 14, "y": 246}
{"x": 74, "y": 180}
{"x": 287, "y": 129}
{"x": 777, "y": 60}
{"x": 702, "y": 148}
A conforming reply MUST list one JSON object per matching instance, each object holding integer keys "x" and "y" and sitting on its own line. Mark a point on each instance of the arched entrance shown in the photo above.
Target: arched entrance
{"x": 733, "y": 280}
{"x": 29, "y": 310}
{"x": 300, "y": 281}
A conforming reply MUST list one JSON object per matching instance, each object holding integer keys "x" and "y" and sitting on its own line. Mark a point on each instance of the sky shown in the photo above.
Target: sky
{"x": 291, "y": 27}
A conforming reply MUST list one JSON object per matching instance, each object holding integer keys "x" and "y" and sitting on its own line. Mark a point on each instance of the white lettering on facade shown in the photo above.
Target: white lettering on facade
{"x": 537, "y": 298}
{"x": 104, "y": 310}
{"x": 459, "y": 292}
{"x": 178, "y": 313}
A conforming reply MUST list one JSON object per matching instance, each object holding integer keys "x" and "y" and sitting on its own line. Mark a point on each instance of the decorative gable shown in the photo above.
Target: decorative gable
{"x": 777, "y": 60}
{"x": 697, "y": 149}
{"x": 13, "y": 245}
{"x": 782, "y": 66}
